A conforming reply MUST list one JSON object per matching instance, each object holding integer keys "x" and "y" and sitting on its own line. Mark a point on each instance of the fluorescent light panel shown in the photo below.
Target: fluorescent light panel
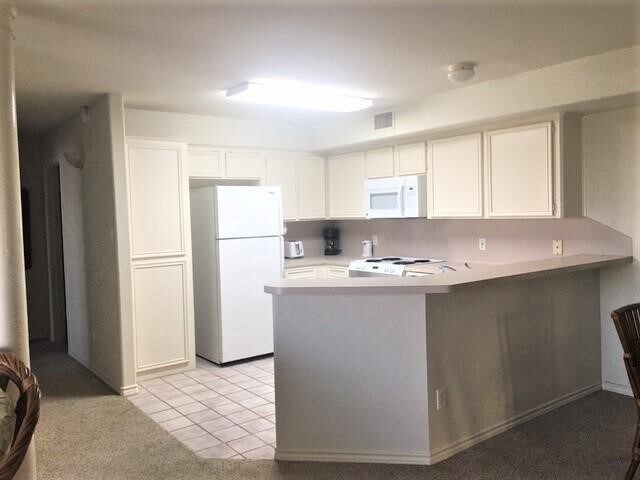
{"x": 296, "y": 97}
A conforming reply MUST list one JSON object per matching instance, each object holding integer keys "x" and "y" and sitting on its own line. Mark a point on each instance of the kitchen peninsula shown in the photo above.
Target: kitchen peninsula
{"x": 414, "y": 370}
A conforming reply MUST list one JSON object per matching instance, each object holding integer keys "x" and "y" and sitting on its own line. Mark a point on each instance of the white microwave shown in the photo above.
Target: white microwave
{"x": 396, "y": 197}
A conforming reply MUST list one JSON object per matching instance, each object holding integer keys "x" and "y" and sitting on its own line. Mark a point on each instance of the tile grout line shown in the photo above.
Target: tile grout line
{"x": 183, "y": 381}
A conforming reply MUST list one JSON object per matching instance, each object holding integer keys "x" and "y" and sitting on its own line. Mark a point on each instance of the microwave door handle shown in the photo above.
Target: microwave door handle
{"x": 401, "y": 200}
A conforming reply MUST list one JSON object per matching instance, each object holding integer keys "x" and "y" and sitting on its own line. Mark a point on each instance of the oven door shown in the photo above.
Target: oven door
{"x": 384, "y": 202}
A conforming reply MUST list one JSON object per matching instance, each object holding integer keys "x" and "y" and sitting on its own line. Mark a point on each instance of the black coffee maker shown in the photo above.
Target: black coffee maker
{"x": 332, "y": 241}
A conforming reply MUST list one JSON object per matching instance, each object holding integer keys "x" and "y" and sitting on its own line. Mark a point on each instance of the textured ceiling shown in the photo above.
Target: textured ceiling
{"x": 178, "y": 55}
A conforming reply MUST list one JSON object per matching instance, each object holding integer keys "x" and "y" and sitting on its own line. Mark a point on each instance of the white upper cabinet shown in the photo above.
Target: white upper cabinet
{"x": 380, "y": 163}
{"x": 246, "y": 165}
{"x": 281, "y": 171}
{"x": 345, "y": 180}
{"x": 410, "y": 159}
{"x": 156, "y": 198}
{"x": 455, "y": 177}
{"x": 311, "y": 187}
{"x": 519, "y": 171}
{"x": 205, "y": 162}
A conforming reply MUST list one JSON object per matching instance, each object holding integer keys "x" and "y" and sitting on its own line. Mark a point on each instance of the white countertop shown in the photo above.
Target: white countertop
{"x": 443, "y": 283}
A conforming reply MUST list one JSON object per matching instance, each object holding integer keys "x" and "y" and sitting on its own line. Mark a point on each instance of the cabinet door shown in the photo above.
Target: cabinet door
{"x": 246, "y": 165}
{"x": 281, "y": 171}
{"x": 300, "y": 272}
{"x": 346, "y": 185}
{"x": 380, "y": 162}
{"x": 519, "y": 166}
{"x": 311, "y": 187}
{"x": 161, "y": 313}
{"x": 455, "y": 177}
{"x": 205, "y": 162}
{"x": 335, "y": 271}
{"x": 410, "y": 159}
{"x": 156, "y": 198}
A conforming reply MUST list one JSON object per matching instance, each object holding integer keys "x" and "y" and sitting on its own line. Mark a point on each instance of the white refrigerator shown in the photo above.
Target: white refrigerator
{"x": 237, "y": 247}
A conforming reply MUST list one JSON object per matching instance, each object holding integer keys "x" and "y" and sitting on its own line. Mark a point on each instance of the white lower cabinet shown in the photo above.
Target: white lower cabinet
{"x": 161, "y": 312}
{"x": 334, "y": 271}
{"x": 345, "y": 180}
{"x": 300, "y": 272}
{"x": 316, "y": 272}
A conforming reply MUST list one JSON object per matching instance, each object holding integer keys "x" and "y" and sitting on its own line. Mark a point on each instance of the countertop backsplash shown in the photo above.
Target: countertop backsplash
{"x": 457, "y": 240}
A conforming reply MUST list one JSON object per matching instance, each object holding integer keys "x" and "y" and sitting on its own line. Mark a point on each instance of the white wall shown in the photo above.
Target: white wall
{"x": 100, "y": 142}
{"x": 612, "y": 196}
{"x": 210, "y": 130}
{"x": 31, "y": 178}
{"x": 570, "y": 86}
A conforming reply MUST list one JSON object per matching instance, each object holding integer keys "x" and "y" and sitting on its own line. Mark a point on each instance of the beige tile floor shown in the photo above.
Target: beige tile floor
{"x": 218, "y": 412}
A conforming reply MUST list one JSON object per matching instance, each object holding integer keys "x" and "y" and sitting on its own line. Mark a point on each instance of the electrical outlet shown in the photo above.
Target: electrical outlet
{"x": 557, "y": 247}
{"x": 482, "y": 244}
{"x": 441, "y": 398}
{"x": 374, "y": 240}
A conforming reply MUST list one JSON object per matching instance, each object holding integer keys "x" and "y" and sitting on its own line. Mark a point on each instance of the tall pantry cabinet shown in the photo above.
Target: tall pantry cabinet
{"x": 157, "y": 181}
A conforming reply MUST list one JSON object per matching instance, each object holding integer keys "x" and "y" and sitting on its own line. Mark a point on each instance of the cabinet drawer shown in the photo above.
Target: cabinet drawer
{"x": 334, "y": 271}
{"x": 300, "y": 272}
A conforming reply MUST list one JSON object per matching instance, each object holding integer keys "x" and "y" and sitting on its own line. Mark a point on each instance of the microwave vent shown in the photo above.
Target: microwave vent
{"x": 383, "y": 120}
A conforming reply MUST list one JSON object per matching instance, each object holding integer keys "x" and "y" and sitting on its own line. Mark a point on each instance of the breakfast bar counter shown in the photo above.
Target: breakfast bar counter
{"x": 414, "y": 370}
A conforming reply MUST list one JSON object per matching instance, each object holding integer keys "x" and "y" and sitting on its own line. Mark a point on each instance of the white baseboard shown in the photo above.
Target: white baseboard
{"x": 617, "y": 388}
{"x": 326, "y": 456}
{"x": 444, "y": 452}
{"x": 463, "y": 444}
{"x": 129, "y": 390}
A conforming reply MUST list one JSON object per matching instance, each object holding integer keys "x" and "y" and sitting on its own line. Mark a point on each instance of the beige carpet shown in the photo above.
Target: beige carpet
{"x": 87, "y": 433}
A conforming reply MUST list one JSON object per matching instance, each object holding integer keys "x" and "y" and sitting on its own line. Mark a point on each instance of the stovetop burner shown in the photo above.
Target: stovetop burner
{"x": 396, "y": 266}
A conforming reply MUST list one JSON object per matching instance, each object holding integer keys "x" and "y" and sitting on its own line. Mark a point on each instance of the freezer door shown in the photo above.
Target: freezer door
{"x": 244, "y": 212}
{"x": 246, "y": 314}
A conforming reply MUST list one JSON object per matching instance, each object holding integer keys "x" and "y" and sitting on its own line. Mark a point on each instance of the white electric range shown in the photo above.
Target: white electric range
{"x": 399, "y": 267}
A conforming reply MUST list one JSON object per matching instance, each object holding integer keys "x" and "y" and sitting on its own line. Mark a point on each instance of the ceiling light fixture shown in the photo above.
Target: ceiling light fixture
{"x": 296, "y": 96}
{"x": 461, "y": 72}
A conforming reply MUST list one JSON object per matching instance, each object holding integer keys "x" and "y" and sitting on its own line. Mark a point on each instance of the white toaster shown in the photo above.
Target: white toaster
{"x": 293, "y": 249}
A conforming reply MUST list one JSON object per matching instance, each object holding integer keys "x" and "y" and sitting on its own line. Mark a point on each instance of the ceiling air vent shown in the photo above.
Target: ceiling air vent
{"x": 383, "y": 120}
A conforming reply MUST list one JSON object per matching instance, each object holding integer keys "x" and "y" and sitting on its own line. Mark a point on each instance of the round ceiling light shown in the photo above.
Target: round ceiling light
{"x": 461, "y": 72}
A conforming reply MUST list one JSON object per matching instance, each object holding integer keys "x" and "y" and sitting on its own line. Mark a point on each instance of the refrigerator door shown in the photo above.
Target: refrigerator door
{"x": 246, "y": 314}
{"x": 244, "y": 212}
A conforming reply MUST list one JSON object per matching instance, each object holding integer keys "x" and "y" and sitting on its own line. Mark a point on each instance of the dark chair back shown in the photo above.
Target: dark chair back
{"x": 627, "y": 322}
{"x": 27, "y": 412}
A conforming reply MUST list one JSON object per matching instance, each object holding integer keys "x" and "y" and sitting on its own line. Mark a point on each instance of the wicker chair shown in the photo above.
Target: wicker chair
{"x": 627, "y": 322}
{"x": 27, "y": 412}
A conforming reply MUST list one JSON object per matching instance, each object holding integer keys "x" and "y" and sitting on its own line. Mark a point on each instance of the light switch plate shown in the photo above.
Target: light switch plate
{"x": 482, "y": 244}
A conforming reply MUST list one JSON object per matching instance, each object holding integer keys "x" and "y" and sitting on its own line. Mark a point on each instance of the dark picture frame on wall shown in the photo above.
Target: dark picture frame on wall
{"x": 26, "y": 227}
